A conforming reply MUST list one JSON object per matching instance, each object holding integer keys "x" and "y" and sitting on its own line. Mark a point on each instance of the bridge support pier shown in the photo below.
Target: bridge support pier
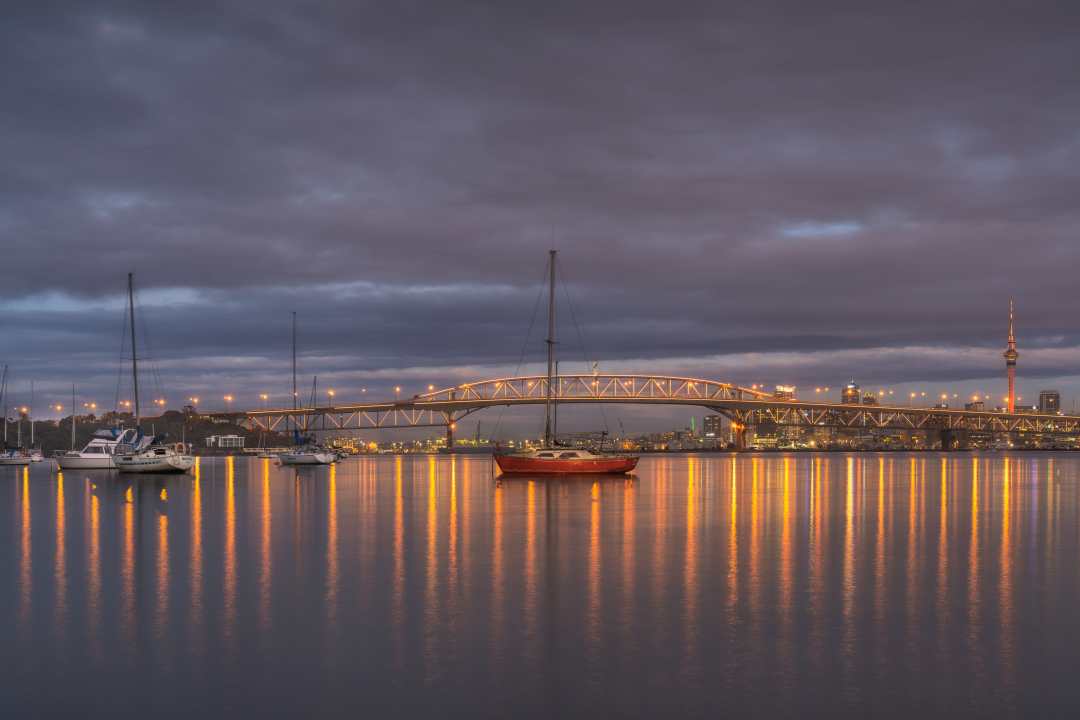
{"x": 450, "y": 435}
{"x": 738, "y": 436}
{"x": 954, "y": 439}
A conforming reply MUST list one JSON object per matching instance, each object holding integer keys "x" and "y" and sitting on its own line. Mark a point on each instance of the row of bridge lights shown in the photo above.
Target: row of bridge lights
{"x": 912, "y": 396}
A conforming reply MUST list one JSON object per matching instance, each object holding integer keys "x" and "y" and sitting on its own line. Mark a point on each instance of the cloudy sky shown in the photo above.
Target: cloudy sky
{"x": 791, "y": 192}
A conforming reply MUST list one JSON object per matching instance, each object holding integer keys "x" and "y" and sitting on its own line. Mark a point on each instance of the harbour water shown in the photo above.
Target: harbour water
{"x": 767, "y": 585}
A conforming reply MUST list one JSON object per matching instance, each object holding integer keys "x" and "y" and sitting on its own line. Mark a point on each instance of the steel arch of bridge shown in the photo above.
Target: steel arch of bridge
{"x": 443, "y": 407}
{"x": 746, "y": 406}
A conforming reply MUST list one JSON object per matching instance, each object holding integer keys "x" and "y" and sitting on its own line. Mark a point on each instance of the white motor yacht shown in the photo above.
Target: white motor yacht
{"x": 98, "y": 453}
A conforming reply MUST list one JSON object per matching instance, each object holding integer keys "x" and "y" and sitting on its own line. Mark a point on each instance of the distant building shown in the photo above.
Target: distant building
{"x": 225, "y": 441}
{"x": 868, "y": 399}
{"x": 850, "y": 394}
{"x": 784, "y": 392}
{"x": 712, "y": 426}
{"x": 1049, "y": 401}
{"x": 975, "y": 406}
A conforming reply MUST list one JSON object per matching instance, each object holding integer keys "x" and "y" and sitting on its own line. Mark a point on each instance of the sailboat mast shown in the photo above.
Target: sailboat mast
{"x": 72, "y": 416}
{"x": 31, "y": 413}
{"x": 3, "y": 400}
{"x": 134, "y": 354}
{"x": 294, "y": 360}
{"x": 550, "y": 349}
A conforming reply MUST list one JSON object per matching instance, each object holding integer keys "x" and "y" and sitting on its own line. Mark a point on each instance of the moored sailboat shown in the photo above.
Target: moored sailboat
{"x": 140, "y": 455}
{"x": 551, "y": 459}
{"x": 305, "y": 453}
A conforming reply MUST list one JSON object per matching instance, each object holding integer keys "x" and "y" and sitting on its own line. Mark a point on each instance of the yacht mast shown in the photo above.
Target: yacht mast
{"x": 134, "y": 356}
{"x": 294, "y": 360}
{"x": 3, "y": 398}
{"x": 72, "y": 416}
{"x": 551, "y": 350}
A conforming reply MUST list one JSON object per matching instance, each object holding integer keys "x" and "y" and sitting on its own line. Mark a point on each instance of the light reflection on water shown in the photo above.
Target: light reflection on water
{"x": 852, "y": 584}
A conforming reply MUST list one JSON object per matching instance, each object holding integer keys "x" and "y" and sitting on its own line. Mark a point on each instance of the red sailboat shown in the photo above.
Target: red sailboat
{"x": 551, "y": 459}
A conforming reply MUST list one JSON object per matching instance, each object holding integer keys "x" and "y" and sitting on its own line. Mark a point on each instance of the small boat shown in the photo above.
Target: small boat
{"x": 14, "y": 456}
{"x": 565, "y": 461}
{"x": 156, "y": 457}
{"x": 36, "y": 455}
{"x": 98, "y": 453}
{"x": 550, "y": 459}
{"x": 308, "y": 455}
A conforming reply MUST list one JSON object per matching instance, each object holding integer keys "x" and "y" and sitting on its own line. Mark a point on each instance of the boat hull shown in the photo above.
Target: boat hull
{"x": 14, "y": 461}
{"x": 518, "y": 464}
{"x": 100, "y": 462}
{"x": 166, "y": 464}
{"x": 307, "y": 458}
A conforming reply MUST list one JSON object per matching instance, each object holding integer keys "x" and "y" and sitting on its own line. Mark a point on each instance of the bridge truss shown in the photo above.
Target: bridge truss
{"x": 744, "y": 406}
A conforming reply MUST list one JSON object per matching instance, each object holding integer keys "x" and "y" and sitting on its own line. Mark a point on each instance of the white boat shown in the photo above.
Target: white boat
{"x": 14, "y": 456}
{"x": 36, "y": 456}
{"x": 98, "y": 453}
{"x": 155, "y": 458}
{"x": 308, "y": 456}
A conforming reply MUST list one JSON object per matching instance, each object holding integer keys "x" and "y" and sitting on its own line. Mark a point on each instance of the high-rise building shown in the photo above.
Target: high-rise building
{"x": 1010, "y": 362}
{"x": 1049, "y": 401}
{"x": 712, "y": 426}
{"x": 850, "y": 394}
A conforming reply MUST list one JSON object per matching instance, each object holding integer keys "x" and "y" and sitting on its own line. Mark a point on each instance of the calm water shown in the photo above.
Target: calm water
{"x": 778, "y": 585}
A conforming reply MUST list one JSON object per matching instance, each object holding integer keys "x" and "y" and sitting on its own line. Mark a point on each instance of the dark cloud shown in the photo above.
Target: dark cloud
{"x": 780, "y": 181}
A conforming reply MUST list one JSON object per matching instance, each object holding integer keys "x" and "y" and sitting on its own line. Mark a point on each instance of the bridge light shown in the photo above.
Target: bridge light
{"x": 430, "y": 388}
{"x": 397, "y": 388}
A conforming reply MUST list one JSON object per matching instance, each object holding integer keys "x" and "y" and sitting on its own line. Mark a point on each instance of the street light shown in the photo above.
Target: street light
{"x": 228, "y": 403}
{"x": 330, "y": 394}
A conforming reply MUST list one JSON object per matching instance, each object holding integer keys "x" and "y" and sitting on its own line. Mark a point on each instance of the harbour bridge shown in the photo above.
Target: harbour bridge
{"x": 744, "y": 407}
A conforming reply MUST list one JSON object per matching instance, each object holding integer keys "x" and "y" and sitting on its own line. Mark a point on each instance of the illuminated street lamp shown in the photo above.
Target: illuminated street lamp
{"x": 264, "y": 397}
{"x": 330, "y": 394}
{"x": 430, "y": 388}
{"x": 228, "y": 403}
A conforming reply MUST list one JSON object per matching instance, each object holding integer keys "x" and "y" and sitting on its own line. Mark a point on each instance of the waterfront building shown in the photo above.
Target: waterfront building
{"x": 1049, "y": 401}
{"x": 713, "y": 426}
{"x": 869, "y": 398}
{"x": 850, "y": 394}
{"x": 784, "y": 392}
{"x": 225, "y": 441}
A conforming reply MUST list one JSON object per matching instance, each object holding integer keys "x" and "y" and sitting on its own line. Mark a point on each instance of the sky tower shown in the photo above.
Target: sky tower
{"x": 1010, "y": 361}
